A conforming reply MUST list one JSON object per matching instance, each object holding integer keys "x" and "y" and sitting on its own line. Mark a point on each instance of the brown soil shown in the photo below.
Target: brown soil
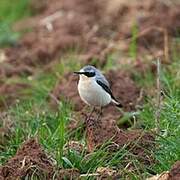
{"x": 124, "y": 89}
{"x": 29, "y": 159}
{"x": 153, "y": 25}
{"x": 86, "y": 24}
{"x": 174, "y": 173}
{"x": 99, "y": 132}
{"x": 71, "y": 28}
{"x": 68, "y": 174}
{"x": 66, "y": 88}
{"x": 9, "y": 93}
{"x": 138, "y": 143}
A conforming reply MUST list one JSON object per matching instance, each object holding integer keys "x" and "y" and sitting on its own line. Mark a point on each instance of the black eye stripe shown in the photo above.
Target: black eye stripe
{"x": 89, "y": 74}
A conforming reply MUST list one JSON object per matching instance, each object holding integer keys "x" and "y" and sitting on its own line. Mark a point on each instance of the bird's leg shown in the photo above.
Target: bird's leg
{"x": 99, "y": 114}
{"x": 90, "y": 114}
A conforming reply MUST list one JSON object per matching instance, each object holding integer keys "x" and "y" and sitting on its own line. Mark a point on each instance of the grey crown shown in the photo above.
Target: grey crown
{"x": 99, "y": 76}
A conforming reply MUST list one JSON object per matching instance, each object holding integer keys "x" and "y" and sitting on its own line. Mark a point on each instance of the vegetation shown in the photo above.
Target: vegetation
{"x": 10, "y": 13}
{"x": 32, "y": 116}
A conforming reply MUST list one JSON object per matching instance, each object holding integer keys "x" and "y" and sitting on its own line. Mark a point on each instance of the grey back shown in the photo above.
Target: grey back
{"x": 99, "y": 76}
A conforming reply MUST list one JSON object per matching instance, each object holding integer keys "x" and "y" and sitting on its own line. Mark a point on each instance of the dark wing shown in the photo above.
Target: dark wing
{"x": 106, "y": 88}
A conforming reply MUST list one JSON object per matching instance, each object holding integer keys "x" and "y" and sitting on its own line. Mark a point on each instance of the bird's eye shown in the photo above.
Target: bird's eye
{"x": 90, "y": 74}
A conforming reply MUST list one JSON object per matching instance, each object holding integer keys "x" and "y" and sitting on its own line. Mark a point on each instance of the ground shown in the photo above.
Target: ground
{"x": 45, "y": 132}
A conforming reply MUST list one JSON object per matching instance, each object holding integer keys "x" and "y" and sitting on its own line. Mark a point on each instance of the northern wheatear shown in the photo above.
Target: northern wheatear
{"x": 94, "y": 88}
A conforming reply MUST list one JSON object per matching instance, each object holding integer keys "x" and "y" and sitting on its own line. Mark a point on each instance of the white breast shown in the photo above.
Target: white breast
{"x": 92, "y": 93}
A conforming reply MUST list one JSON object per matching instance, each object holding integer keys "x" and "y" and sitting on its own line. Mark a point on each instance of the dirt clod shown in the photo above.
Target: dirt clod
{"x": 68, "y": 174}
{"x": 99, "y": 132}
{"x": 75, "y": 146}
{"x": 30, "y": 160}
{"x": 162, "y": 176}
{"x": 106, "y": 173}
{"x": 174, "y": 173}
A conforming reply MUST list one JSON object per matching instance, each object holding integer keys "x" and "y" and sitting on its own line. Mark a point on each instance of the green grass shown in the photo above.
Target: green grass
{"x": 33, "y": 117}
{"x": 133, "y": 44}
{"x": 169, "y": 150}
{"x": 10, "y": 12}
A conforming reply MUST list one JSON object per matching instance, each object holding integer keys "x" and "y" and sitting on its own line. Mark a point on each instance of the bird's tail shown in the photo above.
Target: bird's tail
{"x": 118, "y": 104}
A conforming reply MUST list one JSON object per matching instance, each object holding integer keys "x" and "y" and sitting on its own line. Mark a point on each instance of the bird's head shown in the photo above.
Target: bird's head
{"x": 87, "y": 72}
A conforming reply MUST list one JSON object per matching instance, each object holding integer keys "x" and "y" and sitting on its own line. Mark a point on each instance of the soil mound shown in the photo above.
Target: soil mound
{"x": 137, "y": 141}
{"x": 174, "y": 173}
{"x": 30, "y": 160}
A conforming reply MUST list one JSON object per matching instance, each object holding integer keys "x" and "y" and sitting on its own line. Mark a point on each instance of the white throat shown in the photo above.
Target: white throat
{"x": 85, "y": 79}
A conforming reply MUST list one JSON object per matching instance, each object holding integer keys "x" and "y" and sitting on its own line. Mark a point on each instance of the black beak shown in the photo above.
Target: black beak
{"x": 77, "y": 72}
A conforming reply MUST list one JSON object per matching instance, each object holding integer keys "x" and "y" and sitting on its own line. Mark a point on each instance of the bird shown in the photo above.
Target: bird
{"x": 94, "y": 89}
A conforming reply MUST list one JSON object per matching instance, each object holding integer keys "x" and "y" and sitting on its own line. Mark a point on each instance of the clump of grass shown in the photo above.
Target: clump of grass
{"x": 33, "y": 117}
{"x": 168, "y": 145}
